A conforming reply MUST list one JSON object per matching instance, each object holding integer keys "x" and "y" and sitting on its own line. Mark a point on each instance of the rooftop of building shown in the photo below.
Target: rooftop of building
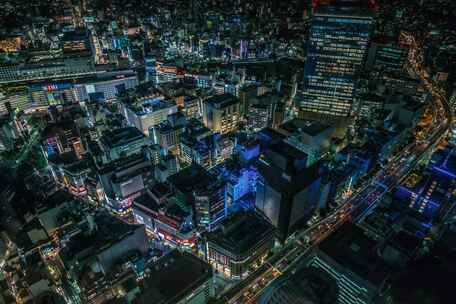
{"x": 405, "y": 242}
{"x": 70, "y": 161}
{"x": 286, "y": 157}
{"x": 284, "y": 175}
{"x": 58, "y": 128}
{"x": 312, "y": 128}
{"x": 119, "y": 172}
{"x": 222, "y": 100}
{"x": 150, "y": 104}
{"x": 346, "y": 8}
{"x": 176, "y": 210}
{"x": 356, "y": 252}
{"x": 206, "y": 143}
{"x": 412, "y": 105}
{"x": 191, "y": 178}
{"x": 195, "y": 130}
{"x": 120, "y": 137}
{"x": 232, "y": 169}
{"x": 174, "y": 277}
{"x": 160, "y": 190}
{"x": 269, "y": 134}
{"x": 107, "y": 76}
{"x": 105, "y": 231}
{"x": 306, "y": 284}
{"x": 145, "y": 200}
{"x": 362, "y": 152}
{"x": 241, "y": 232}
{"x": 427, "y": 190}
{"x": 166, "y": 127}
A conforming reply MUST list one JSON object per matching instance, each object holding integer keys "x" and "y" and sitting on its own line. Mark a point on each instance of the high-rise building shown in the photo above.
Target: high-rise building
{"x": 101, "y": 241}
{"x": 312, "y": 137}
{"x": 241, "y": 181}
{"x": 258, "y": 117}
{"x": 191, "y": 107}
{"x": 386, "y": 57}
{"x": 168, "y": 133}
{"x": 336, "y": 53}
{"x": 287, "y": 190}
{"x": 166, "y": 217}
{"x": 62, "y": 137}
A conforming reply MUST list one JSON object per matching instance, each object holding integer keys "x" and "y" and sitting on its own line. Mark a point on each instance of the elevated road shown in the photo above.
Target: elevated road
{"x": 362, "y": 202}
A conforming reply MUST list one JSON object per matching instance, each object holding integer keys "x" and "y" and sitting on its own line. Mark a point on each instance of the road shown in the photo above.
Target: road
{"x": 362, "y": 202}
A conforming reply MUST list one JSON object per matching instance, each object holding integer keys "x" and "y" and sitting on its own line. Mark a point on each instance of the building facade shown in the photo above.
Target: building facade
{"x": 221, "y": 113}
{"x": 336, "y": 53}
{"x": 240, "y": 244}
{"x": 148, "y": 112}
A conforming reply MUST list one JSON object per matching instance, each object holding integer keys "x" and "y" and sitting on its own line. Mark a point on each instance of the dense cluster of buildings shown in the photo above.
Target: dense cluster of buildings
{"x": 167, "y": 152}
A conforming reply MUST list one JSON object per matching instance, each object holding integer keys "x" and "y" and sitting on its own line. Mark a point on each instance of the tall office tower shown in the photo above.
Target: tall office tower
{"x": 287, "y": 190}
{"x": 336, "y": 53}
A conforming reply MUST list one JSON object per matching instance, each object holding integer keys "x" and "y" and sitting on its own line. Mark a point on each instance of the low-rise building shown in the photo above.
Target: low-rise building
{"x": 122, "y": 142}
{"x": 146, "y": 112}
{"x": 70, "y": 172}
{"x": 178, "y": 278}
{"x": 166, "y": 217}
{"x": 221, "y": 113}
{"x": 123, "y": 181}
{"x": 311, "y": 137}
{"x": 196, "y": 186}
{"x": 239, "y": 245}
{"x": 208, "y": 151}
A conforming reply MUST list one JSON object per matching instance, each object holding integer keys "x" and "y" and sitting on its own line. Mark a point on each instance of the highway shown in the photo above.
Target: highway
{"x": 362, "y": 202}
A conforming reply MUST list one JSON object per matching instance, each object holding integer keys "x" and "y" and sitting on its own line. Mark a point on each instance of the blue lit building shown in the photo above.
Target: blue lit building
{"x": 240, "y": 182}
{"x": 427, "y": 196}
{"x": 336, "y": 53}
{"x": 150, "y": 68}
{"x": 247, "y": 150}
{"x": 204, "y": 81}
{"x": 443, "y": 163}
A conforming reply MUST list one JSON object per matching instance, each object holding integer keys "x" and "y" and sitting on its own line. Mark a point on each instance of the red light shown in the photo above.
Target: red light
{"x": 374, "y": 5}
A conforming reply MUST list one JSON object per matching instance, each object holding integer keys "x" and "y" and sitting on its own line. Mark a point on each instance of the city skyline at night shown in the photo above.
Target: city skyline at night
{"x": 227, "y": 152}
